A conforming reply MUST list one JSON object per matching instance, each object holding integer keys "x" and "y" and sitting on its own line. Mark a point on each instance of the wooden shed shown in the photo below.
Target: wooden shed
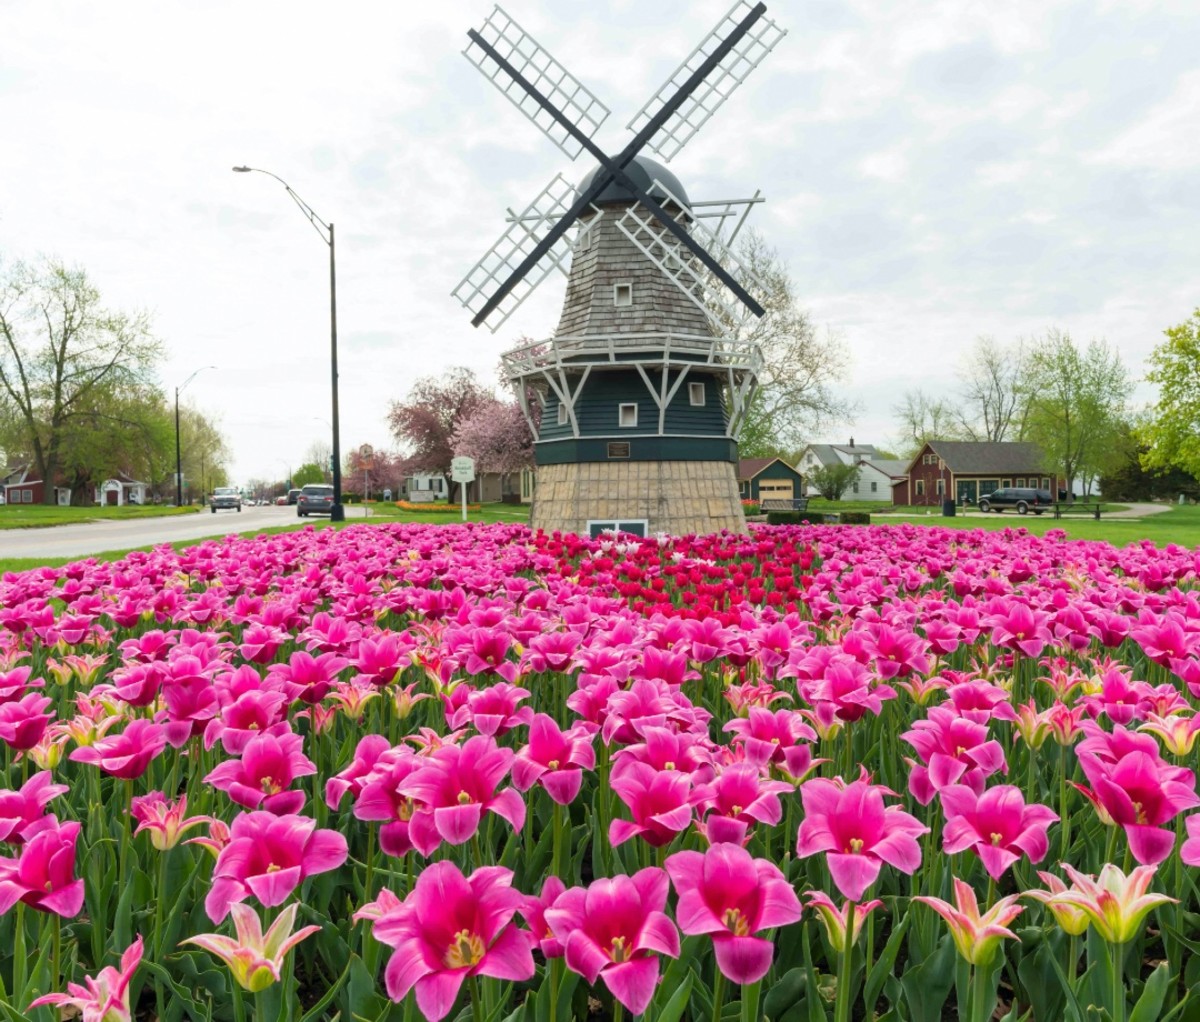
{"x": 769, "y": 479}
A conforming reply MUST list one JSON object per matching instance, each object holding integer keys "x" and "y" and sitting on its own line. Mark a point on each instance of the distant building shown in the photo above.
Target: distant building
{"x": 966, "y": 470}
{"x": 876, "y": 475}
{"x": 768, "y": 479}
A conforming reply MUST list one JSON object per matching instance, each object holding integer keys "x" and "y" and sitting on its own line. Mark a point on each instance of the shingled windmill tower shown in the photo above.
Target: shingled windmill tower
{"x": 644, "y": 387}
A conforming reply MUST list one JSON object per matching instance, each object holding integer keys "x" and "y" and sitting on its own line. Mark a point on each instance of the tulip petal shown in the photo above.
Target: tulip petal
{"x": 437, "y": 992}
{"x": 853, "y": 874}
{"x": 743, "y": 959}
{"x": 509, "y": 957}
{"x": 633, "y": 982}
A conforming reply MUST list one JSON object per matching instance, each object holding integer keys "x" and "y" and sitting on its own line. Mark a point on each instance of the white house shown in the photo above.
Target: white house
{"x": 120, "y": 492}
{"x": 875, "y": 477}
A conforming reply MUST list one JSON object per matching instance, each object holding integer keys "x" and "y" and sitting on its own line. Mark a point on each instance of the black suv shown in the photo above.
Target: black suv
{"x": 1022, "y": 498}
{"x": 293, "y": 495}
{"x": 315, "y": 499}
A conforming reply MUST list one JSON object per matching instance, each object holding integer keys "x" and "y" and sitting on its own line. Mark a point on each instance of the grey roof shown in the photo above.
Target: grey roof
{"x": 892, "y": 468}
{"x": 824, "y": 453}
{"x": 643, "y": 172}
{"x": 862, "y": 450}
{"x": 969, "y": 456}
{"x": 827, "y": 453}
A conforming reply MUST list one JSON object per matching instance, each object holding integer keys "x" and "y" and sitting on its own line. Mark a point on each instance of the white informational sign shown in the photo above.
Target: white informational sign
{"x": 462, "y": 471}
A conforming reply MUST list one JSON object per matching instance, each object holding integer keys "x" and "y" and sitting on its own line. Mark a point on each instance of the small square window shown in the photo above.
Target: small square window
{"x": 628, "y": 416}
{"x": 622, "y": 295}
{"x": 584, "y": 241}
{"x": 562, "y": 415}
{"x": 1007, "y": 483}
{"x": 696, "y": 394}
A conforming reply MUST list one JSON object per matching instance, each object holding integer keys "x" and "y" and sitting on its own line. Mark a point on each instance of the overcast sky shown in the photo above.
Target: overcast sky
{"x": 933, "y": 170}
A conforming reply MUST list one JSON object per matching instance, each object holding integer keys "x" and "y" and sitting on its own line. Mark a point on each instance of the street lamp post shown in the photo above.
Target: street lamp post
{"x": 337, "y": 512}
{"x": 178, "y": 448}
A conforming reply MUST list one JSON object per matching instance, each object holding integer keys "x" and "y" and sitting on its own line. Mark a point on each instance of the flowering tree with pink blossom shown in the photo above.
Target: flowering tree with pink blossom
{"x": 498, "y": 437}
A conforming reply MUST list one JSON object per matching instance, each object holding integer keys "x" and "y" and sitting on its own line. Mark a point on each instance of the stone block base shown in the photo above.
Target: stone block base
{"x": 676, "y": 497}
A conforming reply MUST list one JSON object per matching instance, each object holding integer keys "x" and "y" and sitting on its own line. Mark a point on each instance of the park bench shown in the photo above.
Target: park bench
{"x": 1090, "y": 507}
{"x": 784, "y": 504}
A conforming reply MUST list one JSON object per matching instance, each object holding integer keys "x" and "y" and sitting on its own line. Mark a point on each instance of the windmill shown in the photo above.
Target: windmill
{"x": 644, "y": 386}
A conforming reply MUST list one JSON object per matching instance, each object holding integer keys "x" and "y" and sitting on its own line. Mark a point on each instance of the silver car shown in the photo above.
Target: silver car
{"x": 225, "y": 498}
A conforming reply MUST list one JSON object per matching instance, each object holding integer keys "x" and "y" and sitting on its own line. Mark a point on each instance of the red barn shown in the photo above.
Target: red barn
{"x": 966, "y": 470}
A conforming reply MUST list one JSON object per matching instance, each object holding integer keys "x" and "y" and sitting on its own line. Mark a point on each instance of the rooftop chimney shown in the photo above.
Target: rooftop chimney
{"x": 852, "y": 441}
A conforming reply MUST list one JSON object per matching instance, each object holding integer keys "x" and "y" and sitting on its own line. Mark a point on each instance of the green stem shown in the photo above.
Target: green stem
{"x": 718, "y": 994}
{"x": 556, "y": 971}
{"x": 476, "y": 1010}
{"x": 618, "y": 1011}
{"x": 841, "y": 1012}
{"x": 1117, "y": 956}
{"x": 239, "y": 1007}
{"x": 557, "y": 824}
{"x": 159, "y": 897}
{"x": 20, "y": 960}
{"x": 1064, "y": 817}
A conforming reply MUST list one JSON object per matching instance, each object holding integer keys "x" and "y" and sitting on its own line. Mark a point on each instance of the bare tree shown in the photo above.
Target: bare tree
{"x": 60, "y": 350}
{"x": 995, "y": 394}
{"x": 797, "y": 396}
{"x": 923, "y": 418}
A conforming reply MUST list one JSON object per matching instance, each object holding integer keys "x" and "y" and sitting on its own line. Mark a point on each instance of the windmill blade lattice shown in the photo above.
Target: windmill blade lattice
{"x": 705, "y": 100}
{"x": 657, "y": 243}
{"x": 523, "y": 235}
{"x": 535, "y": 64}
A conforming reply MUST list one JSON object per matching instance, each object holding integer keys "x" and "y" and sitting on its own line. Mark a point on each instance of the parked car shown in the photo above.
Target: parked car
{"x": 314, "y": 499}
{"x": 292, "y": 496}
{"x": 225, "y": 498}
{"x": 1020, "y": 497}
{"x": 282, "y": 501}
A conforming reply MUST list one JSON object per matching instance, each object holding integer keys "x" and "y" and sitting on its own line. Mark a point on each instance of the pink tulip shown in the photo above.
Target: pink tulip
{"x": 658, "y": 801}
{"x": 268, "y": 766}
{"x": 381, "y": 659}
{"x": 664, "y": 749}
{"x": 128, "y": 754}
{"x": 1140, "y": 793}
{"x": 307, "y": 678}
{"x": 954, "y": 750}
{"x": 1189, "y": 851}
{"x": 1015, "y": 626}
{"x": 267, "y": 857}
{"x": 997, "y": 825}
{"x": 857, "y": 832}
{"x": 768, "y": 735}
{"x": 493, "y": 711}
{"x": 23, "y": 812}
{"x": 554, "y": 758}
{"x": 451, "y": 927}
{"x": 737, "y": 799}
{"x": 246, "y": 716}
{"x": 104, "y": 997}
{"x": 23, "y": 721}
{"x": 848, "y": 687}
{"x": 370, "y": 749}
{"x": 614, "y": 930}
{"x": 533, "y": 908}
{"x": 379, "y": 798}
{"x": 167, "y": 821}
{"x": 726, "y": 893}
{"x": 43, "y": 877}
{"x": 1115, "y": 904}
{"x": 454, "y": 787}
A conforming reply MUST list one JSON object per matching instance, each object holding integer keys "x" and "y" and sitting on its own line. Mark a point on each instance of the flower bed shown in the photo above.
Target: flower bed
{"x": 461, "y": 770}
{"x": 434, "y": 509}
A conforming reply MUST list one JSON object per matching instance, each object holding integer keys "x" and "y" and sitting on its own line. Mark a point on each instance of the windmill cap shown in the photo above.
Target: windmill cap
{"x": 643, "y": 171}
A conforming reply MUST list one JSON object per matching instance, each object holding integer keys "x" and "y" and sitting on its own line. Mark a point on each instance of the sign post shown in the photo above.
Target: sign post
{"x": 462, "y": 471}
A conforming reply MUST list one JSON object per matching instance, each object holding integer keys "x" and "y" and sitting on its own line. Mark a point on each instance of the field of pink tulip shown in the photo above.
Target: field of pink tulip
{"x": 471, "y": 772}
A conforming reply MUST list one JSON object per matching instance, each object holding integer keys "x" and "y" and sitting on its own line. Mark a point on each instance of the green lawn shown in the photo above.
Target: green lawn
{"x": 39, "y": 516}
{"x": 1180, "y": 525}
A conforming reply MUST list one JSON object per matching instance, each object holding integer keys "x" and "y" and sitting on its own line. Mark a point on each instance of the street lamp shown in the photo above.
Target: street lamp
{"x": 337, "y": 512}
{"x": 178, "y": 449}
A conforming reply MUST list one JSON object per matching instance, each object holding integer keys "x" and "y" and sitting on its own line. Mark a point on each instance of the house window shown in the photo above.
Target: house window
{"x": 855, "y": 486}
{"x": 874, "y": 487}
{"x": 696, "y": 394}
{"x": 562, "y": 415}
{"x": 1006, "y": 483}
{"x": 920, "y": 487}
{"x": 27, "y": 496}
{"x": 941, "y": 487}
{"x": 1021, "y": 481}
{"x": 627, "y": 416}
{"x": 634, "y": 526}
{"x": 623, "y": 294}
{"x": 1045, "y": 482}
{"x": 584, "y": 241}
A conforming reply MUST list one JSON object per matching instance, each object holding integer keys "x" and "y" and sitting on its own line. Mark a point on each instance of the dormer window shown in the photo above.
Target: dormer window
{"x": 627, "y": 416}
{"x": 623, "y": 294}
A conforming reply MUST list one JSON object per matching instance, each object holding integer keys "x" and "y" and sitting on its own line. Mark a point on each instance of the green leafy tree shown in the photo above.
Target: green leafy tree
{"x": 1173, "y": 434}
{"x": 1077, "y": 406}
{"x": 308, "y": 473}
{"x": 832, "y": 481}
{"x": 61, "y": 352}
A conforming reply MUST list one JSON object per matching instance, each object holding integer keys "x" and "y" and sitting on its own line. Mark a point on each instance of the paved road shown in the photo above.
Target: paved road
{"x": 98, "y": 536}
